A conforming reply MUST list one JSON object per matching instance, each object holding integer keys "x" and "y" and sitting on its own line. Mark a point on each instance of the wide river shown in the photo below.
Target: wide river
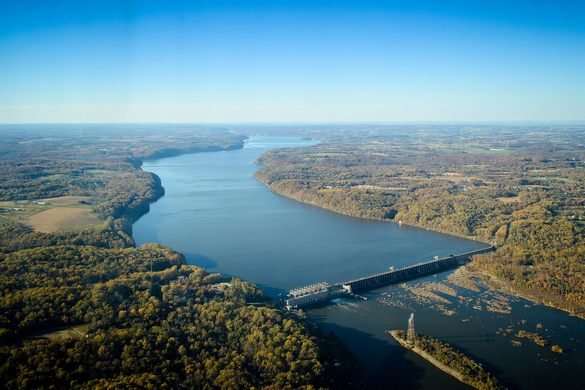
{"x": 221, "y": 218}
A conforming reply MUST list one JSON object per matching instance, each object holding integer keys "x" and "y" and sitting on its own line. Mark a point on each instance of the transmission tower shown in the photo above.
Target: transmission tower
{"x": 410, "y": 333}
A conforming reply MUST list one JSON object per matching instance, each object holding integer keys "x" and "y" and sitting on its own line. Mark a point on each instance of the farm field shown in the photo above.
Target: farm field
{"x": 51, "y": 214}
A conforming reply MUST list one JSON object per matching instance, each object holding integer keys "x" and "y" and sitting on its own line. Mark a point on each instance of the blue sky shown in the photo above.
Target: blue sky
{"x": 291, "y": 61}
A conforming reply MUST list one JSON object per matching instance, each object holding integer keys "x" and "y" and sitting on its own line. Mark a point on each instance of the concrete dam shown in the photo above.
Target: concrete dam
{"x": 321, "y": 293}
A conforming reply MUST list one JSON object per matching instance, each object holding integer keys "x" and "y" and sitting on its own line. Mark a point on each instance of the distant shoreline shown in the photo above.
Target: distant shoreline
{"x": 159, "y": 190}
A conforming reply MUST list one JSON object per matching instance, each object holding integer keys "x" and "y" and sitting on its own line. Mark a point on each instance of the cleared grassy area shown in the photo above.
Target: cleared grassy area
{"x": 51, "y": 214}
{"x": 11, "y": 211}
{"x": 471, "y": 149}
{"x": 509, "y": 199}
{"x": 66, "y": 200}
{"x": 62, "y": 218}
{"x": 76, "y": 331}
{"x": 561, "y": 179}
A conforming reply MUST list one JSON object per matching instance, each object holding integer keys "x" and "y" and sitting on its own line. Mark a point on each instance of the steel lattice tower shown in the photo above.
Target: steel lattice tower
{"x": 410, "y": 333}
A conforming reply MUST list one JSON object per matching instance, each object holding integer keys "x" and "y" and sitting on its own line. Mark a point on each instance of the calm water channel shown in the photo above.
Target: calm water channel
{"x": 220, "y": 217}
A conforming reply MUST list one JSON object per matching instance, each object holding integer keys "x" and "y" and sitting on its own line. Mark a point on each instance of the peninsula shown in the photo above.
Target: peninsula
{"x": 446, "y": 358}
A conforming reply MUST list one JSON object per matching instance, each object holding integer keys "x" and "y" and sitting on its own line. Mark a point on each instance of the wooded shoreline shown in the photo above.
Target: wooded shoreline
{"x": 503, "y": 199}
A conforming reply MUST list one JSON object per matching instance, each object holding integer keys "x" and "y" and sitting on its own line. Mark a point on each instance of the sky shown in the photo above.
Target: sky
{"x": 291, "y": 61}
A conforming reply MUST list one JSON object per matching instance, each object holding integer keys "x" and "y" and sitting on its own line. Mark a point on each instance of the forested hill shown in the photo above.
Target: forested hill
{"x": 80, "y": 316}
{"x": 520, "y": 187}
{"x": 83, "y": 308}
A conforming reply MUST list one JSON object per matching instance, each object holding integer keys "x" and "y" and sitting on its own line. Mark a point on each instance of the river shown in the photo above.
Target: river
{"x": 221, "y": 218}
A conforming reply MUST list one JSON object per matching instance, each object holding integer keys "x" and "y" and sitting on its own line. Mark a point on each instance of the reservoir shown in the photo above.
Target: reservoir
{"x": 221, "y": 218}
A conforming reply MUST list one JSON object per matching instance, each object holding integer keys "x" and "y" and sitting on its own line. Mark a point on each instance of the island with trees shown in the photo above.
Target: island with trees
{"x": 449, "y": 360}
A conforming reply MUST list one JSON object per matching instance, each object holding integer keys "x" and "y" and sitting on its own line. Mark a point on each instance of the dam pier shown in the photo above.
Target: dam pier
{"x": 322, "y": 292}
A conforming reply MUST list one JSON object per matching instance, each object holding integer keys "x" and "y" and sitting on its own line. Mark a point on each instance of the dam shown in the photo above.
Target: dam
{"x": 323, "y": 292}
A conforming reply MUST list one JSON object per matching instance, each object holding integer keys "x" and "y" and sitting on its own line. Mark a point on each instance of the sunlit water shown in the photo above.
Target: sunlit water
{"x": 220, "y": 217}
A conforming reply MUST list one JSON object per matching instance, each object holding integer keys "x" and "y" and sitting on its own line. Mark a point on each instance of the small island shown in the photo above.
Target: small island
{"x": 446, "y": 358}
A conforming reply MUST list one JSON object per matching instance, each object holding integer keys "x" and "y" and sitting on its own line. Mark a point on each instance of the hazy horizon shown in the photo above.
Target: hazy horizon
{"x": 317, "y": 123}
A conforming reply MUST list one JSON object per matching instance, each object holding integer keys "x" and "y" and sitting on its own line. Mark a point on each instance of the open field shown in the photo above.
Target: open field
{"x": 75, "y": 331}
{"x": 51, "y": 214}
{"x": 16, "y": 211}
{"x": 62, "y": 218}
{"x": 508, "y": 199}
{"x": 66, "y": 200}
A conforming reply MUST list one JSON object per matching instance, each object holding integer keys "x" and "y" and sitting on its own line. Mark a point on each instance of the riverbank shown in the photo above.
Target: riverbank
{"x": 300, "y": 199}
{"x": 479, "y": 379}
{"x": 550, "y": 300}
